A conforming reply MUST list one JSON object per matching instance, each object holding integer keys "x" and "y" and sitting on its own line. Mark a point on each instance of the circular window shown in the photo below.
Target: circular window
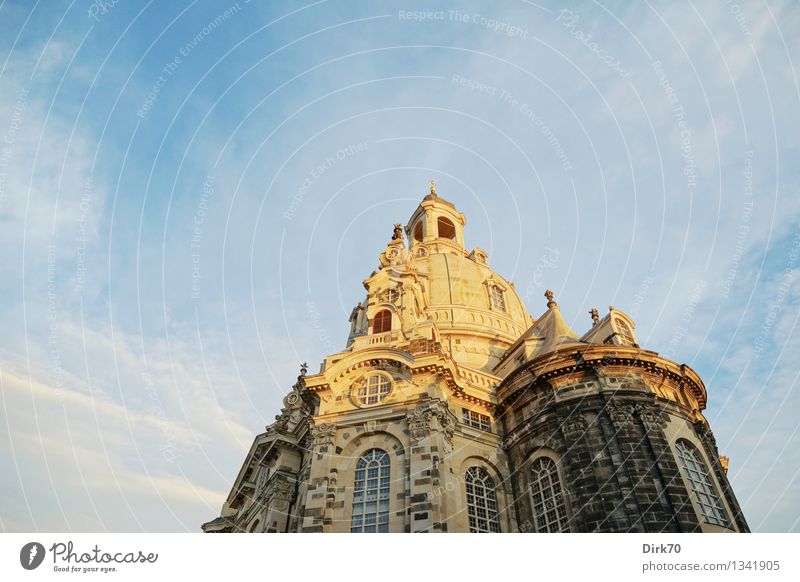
{"x": 374, "y": 389}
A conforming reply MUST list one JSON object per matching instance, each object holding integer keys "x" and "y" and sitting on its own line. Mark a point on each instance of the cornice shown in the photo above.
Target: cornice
{"x": 596, "y": 358}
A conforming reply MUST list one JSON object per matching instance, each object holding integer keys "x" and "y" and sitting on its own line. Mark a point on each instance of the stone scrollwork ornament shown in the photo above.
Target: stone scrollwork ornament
{"x": 574, "y": 425}
{"x": 279, "y": 487}
{"x": 621, "y": 414}
{"x": 649, "y": 415}
{"x": 418, "y": 424}
{"x": 323, "y": 434}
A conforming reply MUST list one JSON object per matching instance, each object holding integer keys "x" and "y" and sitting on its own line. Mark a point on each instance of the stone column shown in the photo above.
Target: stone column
{"x": 587, "y": 506}
{"x": 278, "y": 494}
{"x": 629, "y": 466}
{"x": 684, "y": 517}
{"x": 430, "y": 430}
{"x": 322, "y": 482}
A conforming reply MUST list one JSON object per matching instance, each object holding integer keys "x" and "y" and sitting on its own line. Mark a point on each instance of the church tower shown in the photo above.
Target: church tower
{"x": 451, "y": 409}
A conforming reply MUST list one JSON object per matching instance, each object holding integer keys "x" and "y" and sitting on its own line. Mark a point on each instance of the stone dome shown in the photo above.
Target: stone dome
{"x": 432, "y": 288}
{"x": 477, "y": 312}
{"x": 460, "y": 294}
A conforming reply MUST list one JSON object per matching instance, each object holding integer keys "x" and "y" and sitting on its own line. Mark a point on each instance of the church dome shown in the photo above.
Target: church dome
{"x": 478, "y": 313}
{"x": 434, "y": 289}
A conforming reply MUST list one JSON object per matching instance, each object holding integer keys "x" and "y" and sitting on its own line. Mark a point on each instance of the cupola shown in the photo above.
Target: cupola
{"x": 436, "y": 220}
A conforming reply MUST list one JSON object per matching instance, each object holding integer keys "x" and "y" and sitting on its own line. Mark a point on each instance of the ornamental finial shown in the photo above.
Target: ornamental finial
{"x": 550, "y": 301}
{"x": 397, "y": 234}
{"x": 303, "y": 369}
{"x": 433, "y": 186}
{"x": 595, "y": 316}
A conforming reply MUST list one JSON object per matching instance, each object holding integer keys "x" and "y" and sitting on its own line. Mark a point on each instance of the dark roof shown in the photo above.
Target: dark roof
{"x": 439, "y": 199}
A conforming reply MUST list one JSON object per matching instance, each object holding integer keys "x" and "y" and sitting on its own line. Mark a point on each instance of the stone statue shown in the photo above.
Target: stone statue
{"x": 550, "y": 301}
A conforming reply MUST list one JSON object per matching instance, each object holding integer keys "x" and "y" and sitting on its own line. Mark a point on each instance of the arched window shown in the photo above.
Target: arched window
{"x": 445, "y": 228}
{"x": 498, "y": 299}
{"x": 481, "y": 501}
{"x": 705, "y": 494}
{"x": 418, "y": 232}
{"x": 549, "y": 511}
{"x": 382, "y": 321}
{"x": 371, "y": 493}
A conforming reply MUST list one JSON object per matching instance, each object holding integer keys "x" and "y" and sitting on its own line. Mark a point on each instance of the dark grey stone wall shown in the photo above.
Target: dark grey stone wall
{"x": 618, "y": 469}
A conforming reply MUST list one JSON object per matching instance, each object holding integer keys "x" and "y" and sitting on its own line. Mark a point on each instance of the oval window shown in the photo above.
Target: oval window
{"x": 374, "y": 389}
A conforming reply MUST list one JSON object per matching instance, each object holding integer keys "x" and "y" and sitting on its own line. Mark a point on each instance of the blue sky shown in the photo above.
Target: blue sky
{"x": 191, "y": 194}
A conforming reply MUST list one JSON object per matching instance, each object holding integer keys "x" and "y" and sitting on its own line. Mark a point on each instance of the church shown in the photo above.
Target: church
{"x": 453, "y": 409}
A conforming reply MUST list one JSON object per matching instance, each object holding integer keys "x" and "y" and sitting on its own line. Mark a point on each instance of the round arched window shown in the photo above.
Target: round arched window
{"x": 446, "y": 228}
{"x": 373, "y": 389}
{"x": 418, "y": 232}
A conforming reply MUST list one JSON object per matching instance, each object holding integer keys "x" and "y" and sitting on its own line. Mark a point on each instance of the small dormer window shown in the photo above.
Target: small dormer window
{"x": 382, "y": 322}
{"x": 625, "y": 332}
{"x": 445, "y": 228}
{"x": 498, "y": 298}
{"x": 391, "y": 295}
